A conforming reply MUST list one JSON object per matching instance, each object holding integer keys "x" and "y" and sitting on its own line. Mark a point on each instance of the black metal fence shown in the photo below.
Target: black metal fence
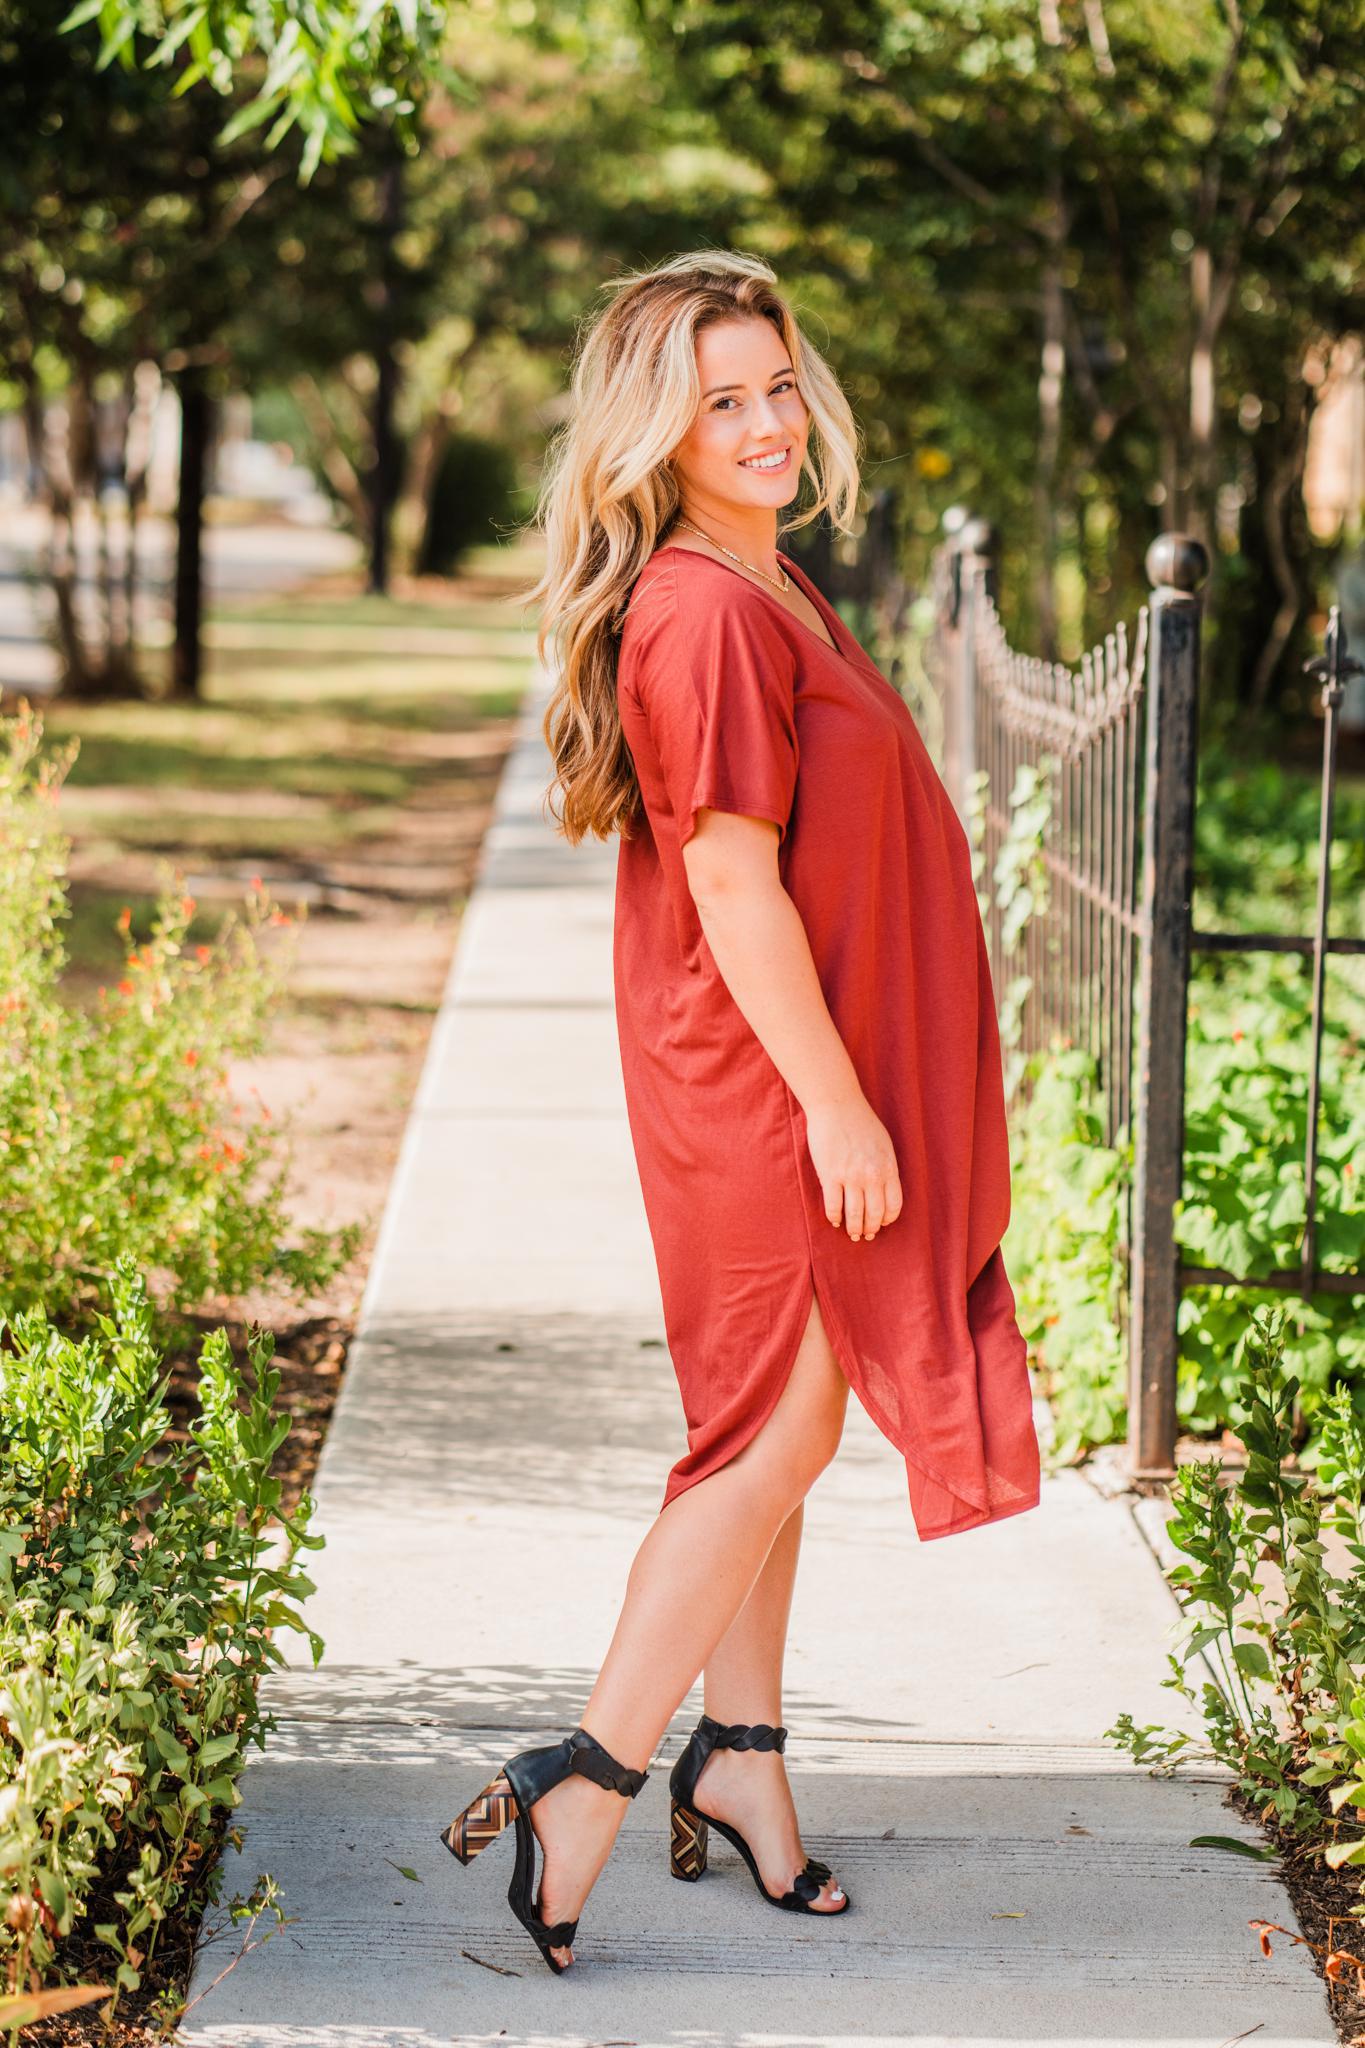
{"x": 1109, "y": 750}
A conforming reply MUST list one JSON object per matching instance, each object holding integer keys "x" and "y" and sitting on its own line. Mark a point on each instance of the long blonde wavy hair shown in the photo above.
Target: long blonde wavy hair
{"x": 608, "y": 496}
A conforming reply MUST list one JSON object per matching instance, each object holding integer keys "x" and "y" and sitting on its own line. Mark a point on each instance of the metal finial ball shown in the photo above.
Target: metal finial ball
{"x": 978, "y": 537}
{"x": 1177, "y": 561}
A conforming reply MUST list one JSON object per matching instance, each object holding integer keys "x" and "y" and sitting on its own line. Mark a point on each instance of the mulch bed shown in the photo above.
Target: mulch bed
{"x": 310, "y": 1357}
{"x": 1323, "y": 1902}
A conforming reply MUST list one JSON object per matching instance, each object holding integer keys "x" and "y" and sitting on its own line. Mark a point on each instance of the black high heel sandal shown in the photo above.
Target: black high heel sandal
{"x": 689, "y": 1825}
{"x": 522, "y": 1780}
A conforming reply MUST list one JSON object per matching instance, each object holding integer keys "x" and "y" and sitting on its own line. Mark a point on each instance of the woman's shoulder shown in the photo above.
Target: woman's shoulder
{"x": 684, "y": 594}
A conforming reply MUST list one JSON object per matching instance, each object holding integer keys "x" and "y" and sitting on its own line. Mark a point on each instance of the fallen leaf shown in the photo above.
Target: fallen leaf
{"x": 40, "y": 2005}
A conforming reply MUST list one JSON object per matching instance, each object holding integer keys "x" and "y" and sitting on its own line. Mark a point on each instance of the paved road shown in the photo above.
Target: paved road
{"x": 507, "y": 1420}
{"x": 239, "y": 561}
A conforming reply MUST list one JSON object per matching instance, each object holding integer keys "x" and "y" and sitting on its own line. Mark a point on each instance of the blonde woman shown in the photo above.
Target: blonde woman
{"x": 809, "y": 1048}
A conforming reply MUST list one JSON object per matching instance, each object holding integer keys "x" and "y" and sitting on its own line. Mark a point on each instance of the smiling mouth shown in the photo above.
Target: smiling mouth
{"x": 777, "y": 460}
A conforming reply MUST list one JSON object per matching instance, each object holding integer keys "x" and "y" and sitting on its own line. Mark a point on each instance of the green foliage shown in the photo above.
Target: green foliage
{"x": 977, "y": 204}
{"x": 1256, "y": 837}
{"x": 323, "y": 67}
{"x": 471, "y": 502}
{"x": 143, "y": 1581}
{"x": 1243, "y": 1203}
{"x": 1243, "y": 1207}
{"x": 1278, "y": 1630}
{"x": 1021, "y": 884}
{"x": 117, "y": 1125}
{"x": 1065, "y": 1248}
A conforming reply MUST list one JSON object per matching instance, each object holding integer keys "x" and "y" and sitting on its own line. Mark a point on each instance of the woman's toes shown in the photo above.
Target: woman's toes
{"x": 563, "y": 1956}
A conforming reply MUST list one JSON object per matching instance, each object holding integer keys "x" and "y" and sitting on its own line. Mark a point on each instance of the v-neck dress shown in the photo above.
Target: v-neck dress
{"x": 729, "y": 702}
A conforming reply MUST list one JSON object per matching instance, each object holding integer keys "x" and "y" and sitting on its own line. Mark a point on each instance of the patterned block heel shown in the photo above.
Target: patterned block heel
{"x": 509, "y": 1798}
{"x": 687, "y": 1853}
{"x": 690, "y": 1826}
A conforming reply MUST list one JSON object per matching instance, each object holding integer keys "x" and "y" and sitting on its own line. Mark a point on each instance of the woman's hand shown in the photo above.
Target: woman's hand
{"x": 851, "y": 1151}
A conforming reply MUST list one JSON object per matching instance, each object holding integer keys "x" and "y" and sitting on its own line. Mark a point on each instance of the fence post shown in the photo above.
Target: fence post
{"x": 974, "y": 546}
{"x": 1176, "y": 567}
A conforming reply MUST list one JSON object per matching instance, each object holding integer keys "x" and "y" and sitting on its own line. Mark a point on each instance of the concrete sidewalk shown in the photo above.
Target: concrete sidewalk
{"x": 508, "y": 1416}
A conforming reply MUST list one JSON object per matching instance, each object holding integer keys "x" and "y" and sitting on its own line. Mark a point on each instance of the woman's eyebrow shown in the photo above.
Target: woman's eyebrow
{"x": 788, "y": 372}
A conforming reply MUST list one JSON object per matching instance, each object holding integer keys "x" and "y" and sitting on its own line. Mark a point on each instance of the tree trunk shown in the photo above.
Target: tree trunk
{"x": 384, "y": 463}
{"x": 196, "y": 418}
{"x": 1051, "y": 386}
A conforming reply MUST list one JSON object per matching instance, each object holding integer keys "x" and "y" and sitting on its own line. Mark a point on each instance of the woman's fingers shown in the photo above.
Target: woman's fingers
{"x": 863, "y": 1210}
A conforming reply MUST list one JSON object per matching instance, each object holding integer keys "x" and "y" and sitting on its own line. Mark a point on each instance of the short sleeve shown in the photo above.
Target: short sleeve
{"x": 719, "y": 697}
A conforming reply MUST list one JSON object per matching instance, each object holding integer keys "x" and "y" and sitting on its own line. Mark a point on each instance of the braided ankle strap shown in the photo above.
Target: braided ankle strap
{"x": 535, "y": 1771}
{"x": 743, "y": 1735}
{"x": 590, "y": 1760}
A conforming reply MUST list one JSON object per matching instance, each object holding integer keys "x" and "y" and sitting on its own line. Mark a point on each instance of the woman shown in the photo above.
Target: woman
{"x": 809, "y": 1048}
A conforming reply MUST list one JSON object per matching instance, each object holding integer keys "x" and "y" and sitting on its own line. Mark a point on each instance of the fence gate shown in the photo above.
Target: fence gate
{"x": 1106, "y": 961}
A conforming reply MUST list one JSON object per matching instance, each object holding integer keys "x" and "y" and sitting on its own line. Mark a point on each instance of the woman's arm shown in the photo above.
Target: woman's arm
{"x": 759, "y": 943}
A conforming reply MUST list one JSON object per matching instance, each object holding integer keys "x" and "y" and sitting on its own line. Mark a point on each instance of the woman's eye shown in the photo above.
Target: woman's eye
{"x": 787, "y": 384}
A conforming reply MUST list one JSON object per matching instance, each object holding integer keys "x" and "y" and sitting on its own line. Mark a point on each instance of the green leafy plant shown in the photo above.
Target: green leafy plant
{"x": 143, "y": 1580}
{"x": 1243, "y": 1203}
{"x": 1065, "y": 1248}
{"x": 1020, "y": 879}
{"x": 1277, "y": 1630}
{"x": 118, "y": 1129}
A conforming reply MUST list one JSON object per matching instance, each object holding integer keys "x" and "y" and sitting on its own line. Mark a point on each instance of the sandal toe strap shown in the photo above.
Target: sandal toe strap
{"x": 808, "y": 1881}
{"x": 560, "y": 1935}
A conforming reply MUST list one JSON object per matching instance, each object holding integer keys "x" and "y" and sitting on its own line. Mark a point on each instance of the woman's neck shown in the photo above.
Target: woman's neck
{"x": 750, "y": 530}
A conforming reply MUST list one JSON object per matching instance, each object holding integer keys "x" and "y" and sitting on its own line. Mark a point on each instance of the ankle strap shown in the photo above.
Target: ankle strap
{"x": 535, "y": 1771}
{"x": 742, "y": 1734}
{"x": 590, "y": 1760}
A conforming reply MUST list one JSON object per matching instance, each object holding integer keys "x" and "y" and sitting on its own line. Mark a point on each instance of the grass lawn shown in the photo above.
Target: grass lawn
{"x": 322, "y": 747}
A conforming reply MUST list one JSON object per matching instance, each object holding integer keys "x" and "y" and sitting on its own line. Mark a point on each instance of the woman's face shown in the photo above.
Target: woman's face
{"x": 751, "y": 412}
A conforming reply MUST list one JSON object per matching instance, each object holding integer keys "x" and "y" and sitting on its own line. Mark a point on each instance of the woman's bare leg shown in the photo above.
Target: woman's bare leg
{"x": 691, "y": 1577}
{"x": 749, "y": 1788}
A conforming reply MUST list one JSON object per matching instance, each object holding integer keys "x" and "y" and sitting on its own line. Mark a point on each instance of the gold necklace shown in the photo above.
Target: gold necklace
{"x": 786, "y": 582}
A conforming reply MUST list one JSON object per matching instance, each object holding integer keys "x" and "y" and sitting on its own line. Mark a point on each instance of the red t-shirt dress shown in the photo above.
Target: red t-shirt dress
{"x": 729, "y": 702}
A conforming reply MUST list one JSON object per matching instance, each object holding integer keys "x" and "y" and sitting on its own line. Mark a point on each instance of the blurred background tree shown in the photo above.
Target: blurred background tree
{"x": 1086, "y": 265}
{"x": 1090, "y": 266}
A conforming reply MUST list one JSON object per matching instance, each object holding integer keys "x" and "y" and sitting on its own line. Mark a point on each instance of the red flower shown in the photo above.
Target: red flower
{"x": 187, "y": 905}
{"x": 1237, "y": 1037}
{"x": 117, "y": 1159}
{"x": 191, "y": 1058}
{"x": 256, "y": 882}
{"x": 125, "y": 988}
{"x": 201, "y": 953}
{"x": 125, "y": 918}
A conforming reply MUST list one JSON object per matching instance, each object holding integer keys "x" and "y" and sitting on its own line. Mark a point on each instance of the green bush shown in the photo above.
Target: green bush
{"x": 1242, "y": 1208}
{"x": 1243, "y": 1203}
{"x": 118, "y": 1131}
{"x": 473, "y": 502}
{"x": 1065, "y": 1252}
{"x": 142, "y": 1580}
{"x": 1282, "y": 1705}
